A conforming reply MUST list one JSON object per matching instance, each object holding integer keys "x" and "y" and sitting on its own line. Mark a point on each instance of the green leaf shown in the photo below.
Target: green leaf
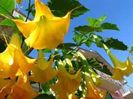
{"x": 66, "y": 45}
{"x": 87, "y": 29}
{"x": 88, "y": 42}
{"x": 115, "y": 44}
{"x": 96, "y": 22}
{"x": 61, "y": 7}
{"x": 109, "y": 26}
{"x": 131, "y": 49}
{"x": 45, "y": 96}
{"x": 7, "y": 22}
{"x": 7, "y": 7}
{"x": 98, "y": 40}
{"x": 78, "y": 38}
{"x": 99, "y": 65}
{"x": 47, "y": 51}
{"x": 45, "y": 87}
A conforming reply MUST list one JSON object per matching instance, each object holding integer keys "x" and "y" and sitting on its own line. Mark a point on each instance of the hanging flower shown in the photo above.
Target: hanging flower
{"x": 22, "y": 89}
{"x": 121, "y": 69}
{"x": 42, "y": 71}
{"x": 92, "y": 91}
{"x": 13, "y": 60}
{"x": 5, "y": 87}
{"x": 67, "y": 83}
{"x": 46, "y": 30}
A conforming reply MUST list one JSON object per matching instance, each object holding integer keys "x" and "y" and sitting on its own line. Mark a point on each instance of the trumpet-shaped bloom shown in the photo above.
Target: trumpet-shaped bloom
{"x": 67, "y": 83}
{"x": 5, "y": 87}
{"x": 42, "y": 71}
{"x": 22, "y": 89}
{"x": 92, "y": 91}
{"x": 46, "y": 30}
{"x": 120, "y": 68}
{"x": 12, "y": 59}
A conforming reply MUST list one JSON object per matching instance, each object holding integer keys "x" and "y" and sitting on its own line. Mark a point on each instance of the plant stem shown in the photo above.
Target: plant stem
{"x": 29, "y": 10}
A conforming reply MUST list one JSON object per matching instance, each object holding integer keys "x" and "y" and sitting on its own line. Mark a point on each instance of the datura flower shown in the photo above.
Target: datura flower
{"x": 13, "y": 60}
{"x": 22, "y": 89}
{"x": 92, "y": 91}
{"x": 121, "y": 69}
{"x": 42, "y": 71}
{"x": 67, "y": 83}
{"x": 5, "y": 87}
{"x": 46, "y": 30}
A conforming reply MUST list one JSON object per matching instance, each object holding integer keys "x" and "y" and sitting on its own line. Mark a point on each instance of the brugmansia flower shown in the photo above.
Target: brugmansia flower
{"x": 13, "y": 60}
{"x": 92, "y": 91}
{"x": 42, "y": 71}
{"x": 67, "y": 83}
{"x": 46, "y": 30}
{"x": 5, "y": 87}
{"x": 120, "y": 68}
{"x": 22, "y": 89}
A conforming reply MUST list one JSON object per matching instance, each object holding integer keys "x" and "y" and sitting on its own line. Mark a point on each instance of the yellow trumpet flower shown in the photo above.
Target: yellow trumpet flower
{"x": 92, "y": 91}
{"x": 13, "y": 59}
{"x": 22, "y": 89}
{"x": 5, "y": 87}
{"x": 42, "y": 71}
{"x": 46, "y": 30}
{"x": 67, "y": 83}
{"x": 121, "y": 69}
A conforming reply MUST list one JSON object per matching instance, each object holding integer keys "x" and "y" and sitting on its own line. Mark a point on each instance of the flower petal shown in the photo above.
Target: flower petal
{"x": 25, "y": 27}
{"x": 42, "y": 9}
{"x": 49, "y": 33}
{"x": 22, "y": 88}
{"x": 121, "y": 69}
{"x": 42, "y": 71}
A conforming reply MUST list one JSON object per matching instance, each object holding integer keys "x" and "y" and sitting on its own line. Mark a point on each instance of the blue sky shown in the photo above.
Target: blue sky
{"x": 119, "y": 12}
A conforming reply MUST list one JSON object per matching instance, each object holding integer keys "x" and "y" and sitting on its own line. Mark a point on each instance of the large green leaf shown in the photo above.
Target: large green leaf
{"x": 109, "y": 26}
{"x": 7, "y": 7}
{"x": 115, "y": 44}
{"x": 61, "y": 7}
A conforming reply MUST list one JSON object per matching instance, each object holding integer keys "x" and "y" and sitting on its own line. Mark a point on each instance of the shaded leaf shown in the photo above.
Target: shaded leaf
{"x": 66, "y": 45}
{"x": 78, "y": 38}
{"x": 115, "y": 44}
{"x": 87, "y": 29}
{"x": 109, "y": 26}
{"x": 61, "y": 7}
{"x": 99, "y": 65}
{"x": 2, "y": 45}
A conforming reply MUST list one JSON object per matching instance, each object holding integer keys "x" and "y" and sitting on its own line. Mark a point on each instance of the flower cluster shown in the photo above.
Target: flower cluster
{"x": 18, "y": 72}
